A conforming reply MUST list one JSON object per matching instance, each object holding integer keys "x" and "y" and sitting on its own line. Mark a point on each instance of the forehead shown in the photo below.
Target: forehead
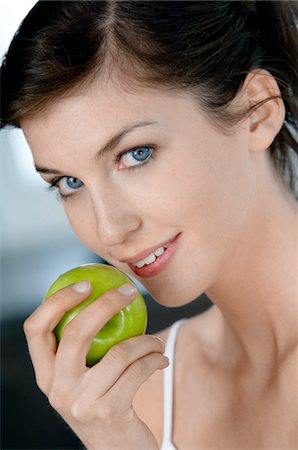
{"x": 87, "y": 118}
{"x": 107, "y": 106}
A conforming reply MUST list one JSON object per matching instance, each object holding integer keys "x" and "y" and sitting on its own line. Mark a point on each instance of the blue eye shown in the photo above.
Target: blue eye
{"x": 140, "y": 154}
{"x": 135, "y": 157}
{"x": 66, "y": 185}
{"x": 73, "y": 183}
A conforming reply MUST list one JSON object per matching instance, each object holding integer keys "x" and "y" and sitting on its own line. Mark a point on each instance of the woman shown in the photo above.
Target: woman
{"x": 171, "y": 126}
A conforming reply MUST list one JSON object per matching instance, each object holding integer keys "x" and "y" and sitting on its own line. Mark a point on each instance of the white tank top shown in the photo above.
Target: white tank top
{"x": 168, "y": 385}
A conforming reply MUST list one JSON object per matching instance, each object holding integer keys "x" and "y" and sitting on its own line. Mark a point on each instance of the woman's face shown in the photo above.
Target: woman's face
{"x": 180, "y": 178}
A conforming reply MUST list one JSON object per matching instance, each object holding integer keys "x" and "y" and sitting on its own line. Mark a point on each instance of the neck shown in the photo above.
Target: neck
{"x": 256, "y": 293}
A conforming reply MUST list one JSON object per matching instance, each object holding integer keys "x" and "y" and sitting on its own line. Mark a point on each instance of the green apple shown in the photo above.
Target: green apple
{"x": 130, "y": 321}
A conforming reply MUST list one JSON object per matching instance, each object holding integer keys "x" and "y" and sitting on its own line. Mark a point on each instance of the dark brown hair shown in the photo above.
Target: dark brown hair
{"x": 205, "y": 47}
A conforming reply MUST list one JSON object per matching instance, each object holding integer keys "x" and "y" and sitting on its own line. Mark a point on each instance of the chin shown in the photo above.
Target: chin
{"x": 174, "y": 296}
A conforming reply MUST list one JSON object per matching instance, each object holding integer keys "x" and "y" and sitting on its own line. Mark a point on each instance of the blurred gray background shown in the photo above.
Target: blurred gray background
{"x": 36, "y": 245}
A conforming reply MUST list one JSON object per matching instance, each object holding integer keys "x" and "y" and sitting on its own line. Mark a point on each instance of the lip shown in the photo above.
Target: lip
{"x": 161, "y": 261}
{"x": 139, "y": 256}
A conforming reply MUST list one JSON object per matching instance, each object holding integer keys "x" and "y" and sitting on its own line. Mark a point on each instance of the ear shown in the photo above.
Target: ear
{"x": 267, "y": 114}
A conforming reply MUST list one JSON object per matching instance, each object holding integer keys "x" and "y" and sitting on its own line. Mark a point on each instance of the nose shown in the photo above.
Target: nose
{"x": 116, "y": 219}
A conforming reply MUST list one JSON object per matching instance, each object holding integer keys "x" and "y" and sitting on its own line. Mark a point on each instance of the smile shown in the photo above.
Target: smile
{"x": 152, "y": 257}
{"x": 156, "y": 261}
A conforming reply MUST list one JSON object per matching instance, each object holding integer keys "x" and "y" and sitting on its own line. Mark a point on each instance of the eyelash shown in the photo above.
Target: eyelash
{"x": 54, "y": 182}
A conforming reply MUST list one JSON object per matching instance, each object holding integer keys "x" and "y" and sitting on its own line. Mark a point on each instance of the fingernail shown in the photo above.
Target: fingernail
{"x": 82, "y": 286}
{"x": 128, "y": 290}
{"x": 167, "y": 360}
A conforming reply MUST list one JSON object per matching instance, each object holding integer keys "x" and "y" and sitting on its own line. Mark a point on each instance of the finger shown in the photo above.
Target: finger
{"x": 120, "y": 396}
{"x": 115, "y": 363}
{"x": 78, "y": 334}
{"x": 38, "y": 329}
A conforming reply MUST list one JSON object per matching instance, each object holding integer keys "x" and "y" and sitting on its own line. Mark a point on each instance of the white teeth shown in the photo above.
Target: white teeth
{"x": 159, "y": 251}
{"x": 139, "y": 264}
{"x": 151, "y": 258}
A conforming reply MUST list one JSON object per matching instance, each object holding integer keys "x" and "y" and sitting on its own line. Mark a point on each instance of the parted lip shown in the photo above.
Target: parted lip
{"x": 142, "y": 255}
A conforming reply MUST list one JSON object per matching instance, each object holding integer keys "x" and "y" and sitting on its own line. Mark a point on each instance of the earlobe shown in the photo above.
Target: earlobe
{"x": 267, "y": 110}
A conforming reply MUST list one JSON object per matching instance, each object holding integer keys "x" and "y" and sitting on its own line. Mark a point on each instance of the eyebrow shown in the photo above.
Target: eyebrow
{"x": 110, "y": 145}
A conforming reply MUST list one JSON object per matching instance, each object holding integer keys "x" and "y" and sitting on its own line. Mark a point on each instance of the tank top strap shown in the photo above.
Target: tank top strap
{"x": 168, "y": 385}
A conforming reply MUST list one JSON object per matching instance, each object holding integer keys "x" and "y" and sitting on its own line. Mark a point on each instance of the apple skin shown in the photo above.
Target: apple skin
{"x": 130, "y": 321}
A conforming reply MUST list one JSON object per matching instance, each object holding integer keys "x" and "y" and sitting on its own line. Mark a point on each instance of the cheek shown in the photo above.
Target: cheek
{"x": 212, "y": 203}
{"x": 223, "y": 203}
{"x": 82, "y": 221}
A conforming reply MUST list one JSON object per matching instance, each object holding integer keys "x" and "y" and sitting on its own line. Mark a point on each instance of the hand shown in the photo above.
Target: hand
{"x": 96, "y": 402}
